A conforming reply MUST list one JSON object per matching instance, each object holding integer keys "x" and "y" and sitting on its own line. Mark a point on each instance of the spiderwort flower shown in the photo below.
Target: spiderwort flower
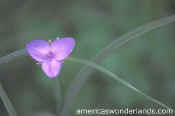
{"x": 51, "y": 54}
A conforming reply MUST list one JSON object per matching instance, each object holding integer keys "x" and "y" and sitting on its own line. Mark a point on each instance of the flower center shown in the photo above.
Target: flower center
{"x": 50, "y": 55}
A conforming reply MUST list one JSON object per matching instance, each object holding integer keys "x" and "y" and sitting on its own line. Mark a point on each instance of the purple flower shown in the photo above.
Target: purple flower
{"x": 52, "y": 54}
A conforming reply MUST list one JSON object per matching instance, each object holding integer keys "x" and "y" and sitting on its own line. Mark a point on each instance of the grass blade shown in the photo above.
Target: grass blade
{"x": 10, "y": 109}
{"x": 82, "y": 76}
{"x": 12, "y": 56}
{"x": 117, "y": 78}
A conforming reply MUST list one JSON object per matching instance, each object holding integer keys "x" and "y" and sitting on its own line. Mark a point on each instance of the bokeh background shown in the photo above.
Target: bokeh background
{"x": 147, "y": 62}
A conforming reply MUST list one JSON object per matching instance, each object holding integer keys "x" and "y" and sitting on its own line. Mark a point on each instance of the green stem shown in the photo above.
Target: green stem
{"x": 57, "y": 91}
{"x": 10, "y": 109}
{"x": 117, "y": 78}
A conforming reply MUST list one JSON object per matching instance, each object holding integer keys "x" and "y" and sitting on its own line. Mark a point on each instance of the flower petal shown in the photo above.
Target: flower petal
{"x": 38, "y": 49}
{"x": 62, "y": 47}
{"x": 51, "y": 68}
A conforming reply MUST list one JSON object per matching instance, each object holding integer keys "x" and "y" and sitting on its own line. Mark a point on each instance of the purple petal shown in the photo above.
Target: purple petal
{"x": 62, "y": 47}
{"x": 38, "y": 49}
{"x": 51, "y": 68}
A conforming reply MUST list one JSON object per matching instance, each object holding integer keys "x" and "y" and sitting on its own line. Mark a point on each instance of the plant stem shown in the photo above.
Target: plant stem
{"x": 10, "y": 109}
{"x": 57, "y": 91}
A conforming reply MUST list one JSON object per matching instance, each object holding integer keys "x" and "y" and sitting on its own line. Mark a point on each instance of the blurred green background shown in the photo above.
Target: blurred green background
{"x": 147, "y": 62}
